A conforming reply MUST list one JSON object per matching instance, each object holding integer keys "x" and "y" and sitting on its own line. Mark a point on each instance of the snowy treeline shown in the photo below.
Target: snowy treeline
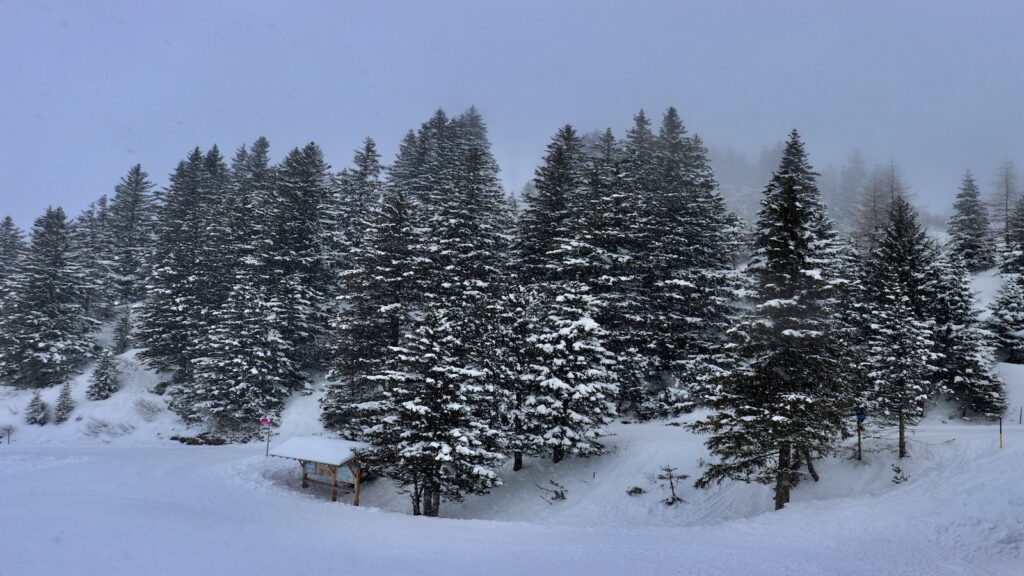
{"x": 459, "y": 327}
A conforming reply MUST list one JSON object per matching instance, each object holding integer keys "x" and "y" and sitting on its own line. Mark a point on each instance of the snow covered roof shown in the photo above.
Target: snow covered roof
{"x": 331, "y": 451}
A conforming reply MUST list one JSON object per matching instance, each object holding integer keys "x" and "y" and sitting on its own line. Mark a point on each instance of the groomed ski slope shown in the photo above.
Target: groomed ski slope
{"x": 139, "y": 505}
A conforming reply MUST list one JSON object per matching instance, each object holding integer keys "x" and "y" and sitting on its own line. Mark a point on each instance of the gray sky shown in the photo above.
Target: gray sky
{"x": 90, "y": 88}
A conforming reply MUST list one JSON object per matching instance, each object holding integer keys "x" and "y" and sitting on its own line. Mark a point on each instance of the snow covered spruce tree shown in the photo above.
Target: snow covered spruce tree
{"x": 244, "y": 367}
{"x": 969, "y": 227}
{"x": 1012, "y": 257}
{"x": 604, "y": 243}
{"x": 574, "y": 382}
{"x": 105, "y": 378}
{"x": 12, "y": 250}
{"x": 173, "y": 317}
{"x": 507, "y": 361}
{"x": 380, "y": 288}
{"x": 785, "y": 397}
{"x": 12, "y": 247}
{"x": 37, "y": 412}
{"x": 966, "y": 369}
{"x": 692, "y": 240}
{"x": 900, "y": 362}
{"x": 546, "y": 218}
{"x": 430, "y": 436}
{"x": 92, "y": 246}
{"x": 62, "y": 411}
{"x": 1007, "y": 319}
{"x": 131, "y": 215}
{"x": 296, "y": 213}
{"x": 903, "y": 259}
{"x": 45, "y": 327}
{"x": 356, "y": 192}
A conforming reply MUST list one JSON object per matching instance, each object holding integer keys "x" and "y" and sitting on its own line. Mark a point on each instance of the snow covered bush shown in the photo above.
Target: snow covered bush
{"x": 37, "y": 412}
{"x": 65, "y": 404}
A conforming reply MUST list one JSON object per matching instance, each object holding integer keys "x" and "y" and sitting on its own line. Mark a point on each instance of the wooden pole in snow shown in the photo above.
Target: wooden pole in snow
{"x": 1000, "y": 431}
{"x": 358, "y": 473}
{"x": 334, "y": 484}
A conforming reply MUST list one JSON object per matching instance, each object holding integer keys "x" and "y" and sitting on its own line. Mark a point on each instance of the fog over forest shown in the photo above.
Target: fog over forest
{"x": 94, "y": 88}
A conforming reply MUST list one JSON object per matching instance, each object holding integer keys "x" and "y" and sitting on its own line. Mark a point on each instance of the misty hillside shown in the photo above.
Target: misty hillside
{"x": 458, "y": 287}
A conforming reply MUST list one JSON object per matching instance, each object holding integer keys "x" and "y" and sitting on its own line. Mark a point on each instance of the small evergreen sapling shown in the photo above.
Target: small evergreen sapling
{"x": 62, "y": 411}
{"x": 668, "y": 473}
{"x": 37, "y": 412}
{"x": 105, "y": 378}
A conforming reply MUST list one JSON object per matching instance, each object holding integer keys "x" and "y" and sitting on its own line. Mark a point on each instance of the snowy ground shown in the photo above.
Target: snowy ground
{"x": 73, "y": 503}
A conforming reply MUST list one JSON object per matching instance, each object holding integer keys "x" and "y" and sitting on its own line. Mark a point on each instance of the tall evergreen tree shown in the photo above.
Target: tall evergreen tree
{"x": 92, "y": 248}
{"x": 784, "y": 398}
{"x": 12, "y": 247}
{"x": 573, "y": 395}
{"x": 966, "y": 368}
{"x": 173, "y": 317}
{"x": 296, "y": 213}
{"x": 969, "y": 227}
{"x": 1005, "y": 196}
{"x": 132, "y": 217}
{"x": 903, "y": 259}
{"x": 1007, "y": 319}
{"x": 546, "y": 219}
{"x": 1012, "y": 258}
{"x": 357, "y": 191}
{"x": 380, "y": 289}
{"x": 45, "y": 325}
{"x": 693, "y": 242}
{"x": 243, "y": 367}
{"x": 429, "y": 436}
{"x": 899, "y": 364}
{"x": 604, "y": 245}
{"x": 12, "y": 250}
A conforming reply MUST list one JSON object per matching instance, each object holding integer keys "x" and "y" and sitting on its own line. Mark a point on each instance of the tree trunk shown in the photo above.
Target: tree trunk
{"x": 417, "y": 495}
{"x": 428, "y": 499}
{"x": 557, "y": 454}
{"x": 903, "y": 435}
{"x": 782, "y": 483}
{"x": 517, "y": 461}
{"x": 810, "y": 465}
{"x": 435, "y": 505}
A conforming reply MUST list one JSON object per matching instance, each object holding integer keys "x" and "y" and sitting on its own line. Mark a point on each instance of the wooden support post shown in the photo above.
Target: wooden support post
{"x": 357, "y": 474}
{"x": 334, "y": 483}
{"x": 305, "y": 479}
{"x": 1000, "y": 431}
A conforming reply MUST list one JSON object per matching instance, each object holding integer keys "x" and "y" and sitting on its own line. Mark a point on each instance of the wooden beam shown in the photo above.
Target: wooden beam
{"x": 334, "y": 483}
{"x": 357, "y": 473}
{"x": 305, "y": 479}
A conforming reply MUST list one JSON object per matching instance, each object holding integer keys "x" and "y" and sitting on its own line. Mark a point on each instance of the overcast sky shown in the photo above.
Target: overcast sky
{"x": 88, "y": 89}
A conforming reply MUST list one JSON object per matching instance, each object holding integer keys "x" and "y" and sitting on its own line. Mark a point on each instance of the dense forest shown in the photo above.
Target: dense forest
{"x": 458, "y": 326}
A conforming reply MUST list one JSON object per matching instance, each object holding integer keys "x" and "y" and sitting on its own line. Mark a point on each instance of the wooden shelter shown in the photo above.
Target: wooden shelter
{"x": 325, "y": 461}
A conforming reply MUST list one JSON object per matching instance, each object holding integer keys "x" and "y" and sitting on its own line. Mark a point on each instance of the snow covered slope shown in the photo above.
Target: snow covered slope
{"x": 108, "y": 493}
{"x": 72, "y": 505}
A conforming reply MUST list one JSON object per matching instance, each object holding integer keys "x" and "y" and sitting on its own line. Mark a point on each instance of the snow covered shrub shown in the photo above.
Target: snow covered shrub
{"x": 148, "y": 409}
{"x": 105, "y": 379}
{"x": 64, "y": 404}
{"x": 37, "y": 412}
